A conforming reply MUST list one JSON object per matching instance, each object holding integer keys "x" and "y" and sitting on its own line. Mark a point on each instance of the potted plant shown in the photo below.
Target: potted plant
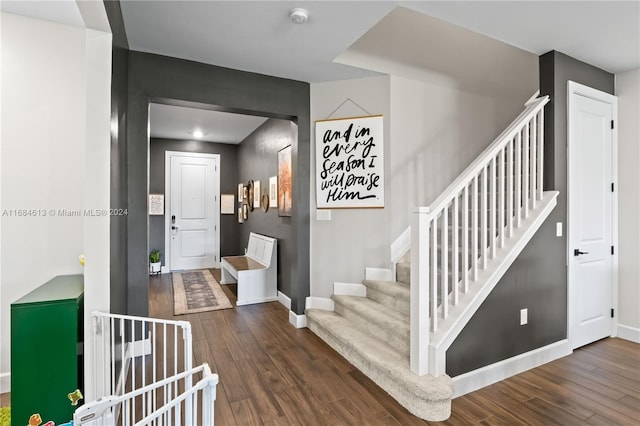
{"x": 154, "y": 261}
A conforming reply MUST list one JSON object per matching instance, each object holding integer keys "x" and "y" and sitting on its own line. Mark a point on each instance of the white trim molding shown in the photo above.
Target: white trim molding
{"x": 5, "y": 382}
{"x": 629, "y": 333}
{"x": 378, "y": 274}
{"x": 401, "y": 246}
{"x": 323, "y": 303}
{"x": 350, "y": 289}
{"x": 298, "y": 321}
{"x": 284, "y": 300}
{"x": 485, "y": 376}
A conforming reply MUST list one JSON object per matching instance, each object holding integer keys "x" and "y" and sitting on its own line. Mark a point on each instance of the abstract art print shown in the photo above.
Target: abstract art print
{"x": 284, "y": 182}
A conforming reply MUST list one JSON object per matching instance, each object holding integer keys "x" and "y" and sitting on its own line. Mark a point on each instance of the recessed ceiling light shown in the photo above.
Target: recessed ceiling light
{"x": 197, "y": 133}
{"x": 299, "y": 15}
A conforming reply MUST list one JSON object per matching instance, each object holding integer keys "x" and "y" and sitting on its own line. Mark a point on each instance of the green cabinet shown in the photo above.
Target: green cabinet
{"x": 46, "y": 350}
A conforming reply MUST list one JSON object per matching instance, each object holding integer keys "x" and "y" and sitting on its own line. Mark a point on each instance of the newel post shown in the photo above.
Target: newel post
{"x": 420, "y": 292}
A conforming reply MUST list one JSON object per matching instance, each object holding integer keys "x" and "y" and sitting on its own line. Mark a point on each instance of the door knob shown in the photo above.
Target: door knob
{"x": 577, "y": 252}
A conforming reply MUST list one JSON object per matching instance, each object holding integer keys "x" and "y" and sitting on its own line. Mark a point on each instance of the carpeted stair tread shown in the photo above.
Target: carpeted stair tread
{"x": 427, "y": 397}
{"x": 393, "y": 294}
{"x": 385, "y": 324}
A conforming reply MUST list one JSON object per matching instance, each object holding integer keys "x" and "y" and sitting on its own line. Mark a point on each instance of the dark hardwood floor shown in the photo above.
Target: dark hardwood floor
{"x": 274, "y": 374}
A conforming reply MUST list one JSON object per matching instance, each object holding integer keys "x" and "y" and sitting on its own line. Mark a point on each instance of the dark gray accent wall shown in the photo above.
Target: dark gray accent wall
{"x": 258, "y": 160}
{"x": 537, "y": 280}
{"x": 118, "y": 224}
{"x": 228, "y": 185}
{"x": 170, "y": 80}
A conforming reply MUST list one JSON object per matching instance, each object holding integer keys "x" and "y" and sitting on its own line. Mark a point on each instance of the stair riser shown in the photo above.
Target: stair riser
{"x": 397, "y": 341}
{"x": 397, "y": 303}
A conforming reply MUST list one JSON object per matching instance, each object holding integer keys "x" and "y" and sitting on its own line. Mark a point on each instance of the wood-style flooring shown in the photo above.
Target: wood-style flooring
{"x": 274, "y": 374}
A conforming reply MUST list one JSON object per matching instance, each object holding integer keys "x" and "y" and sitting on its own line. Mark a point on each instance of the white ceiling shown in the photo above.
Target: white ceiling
{"x": 257, "y": 36}
{"x": 177, "y": 122}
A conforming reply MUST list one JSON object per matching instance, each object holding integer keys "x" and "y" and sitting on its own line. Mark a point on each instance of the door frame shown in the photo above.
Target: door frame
{"x": 167, "y": 192}
{"x": 573, "y": 89}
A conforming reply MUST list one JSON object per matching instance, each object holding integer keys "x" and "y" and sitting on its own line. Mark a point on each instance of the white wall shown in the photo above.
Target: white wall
{"x": 432, "y": 133}
{"x": 436, "y": 132}
{"x": 628, "y": 92}
{"x": 55, "y": 155}
{"x": 353, "y": 239}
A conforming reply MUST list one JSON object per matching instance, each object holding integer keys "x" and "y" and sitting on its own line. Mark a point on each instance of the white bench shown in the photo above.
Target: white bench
{"x": 255, "y": 273}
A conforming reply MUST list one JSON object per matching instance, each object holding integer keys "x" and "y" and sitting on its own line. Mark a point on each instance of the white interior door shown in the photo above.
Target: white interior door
{"x": 193, "y": 210}
{"x": 591, "y": 219}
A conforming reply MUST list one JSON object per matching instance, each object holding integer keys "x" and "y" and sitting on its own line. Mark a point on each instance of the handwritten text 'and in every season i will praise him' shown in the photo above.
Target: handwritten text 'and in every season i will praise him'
{"x": 350, "y": 163}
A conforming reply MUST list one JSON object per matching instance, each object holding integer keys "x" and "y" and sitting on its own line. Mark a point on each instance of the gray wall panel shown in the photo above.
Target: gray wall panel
{"x": 118, "y": 224}
{"x": 258, "y": 160}
{"x": 163, "y": 79}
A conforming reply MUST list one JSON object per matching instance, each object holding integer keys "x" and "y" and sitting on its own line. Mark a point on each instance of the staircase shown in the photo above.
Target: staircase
{"x": 398, "y": 332}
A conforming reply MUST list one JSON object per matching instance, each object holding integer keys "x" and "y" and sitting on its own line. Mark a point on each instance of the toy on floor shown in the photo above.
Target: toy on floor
{"x": 35, "y": 420}
{"x": 75, "y": 396}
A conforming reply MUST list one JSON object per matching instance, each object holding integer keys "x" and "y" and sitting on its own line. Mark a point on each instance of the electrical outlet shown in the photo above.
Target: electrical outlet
{"x": 558, "y": 229}
{"x": 524, "y": 314}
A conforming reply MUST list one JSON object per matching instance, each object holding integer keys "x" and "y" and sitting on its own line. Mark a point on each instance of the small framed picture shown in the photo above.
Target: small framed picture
{"x": 240, "y": 191}
{"x": 273, "y": 191}
{"x": 240, "y": 215}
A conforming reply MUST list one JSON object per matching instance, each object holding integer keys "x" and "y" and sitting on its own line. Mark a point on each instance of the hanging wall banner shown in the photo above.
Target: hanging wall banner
{"x": 350, "y": 163}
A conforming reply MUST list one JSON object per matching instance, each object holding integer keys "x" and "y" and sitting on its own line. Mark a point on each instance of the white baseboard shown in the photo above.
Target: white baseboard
{"x": 298, "y": 321}
{"x": 350, "y": 289}
{"x": 485, "y": 376}
{"x": 322, "y": 303}
{"x": 284, "y": 300}
{"x": 5, "y": 382}
{"x": 164, "y": 269}
{"x": 378, "y": 274}
{"x": 629, "y": 333}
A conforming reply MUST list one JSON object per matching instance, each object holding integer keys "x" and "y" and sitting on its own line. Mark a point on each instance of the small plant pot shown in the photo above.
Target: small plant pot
{"x": 154, "y": 268}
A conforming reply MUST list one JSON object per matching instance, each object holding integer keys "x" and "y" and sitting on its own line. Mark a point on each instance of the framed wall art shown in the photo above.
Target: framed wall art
{"x": 285, "y": 179}
{"x": 350, "y": 162}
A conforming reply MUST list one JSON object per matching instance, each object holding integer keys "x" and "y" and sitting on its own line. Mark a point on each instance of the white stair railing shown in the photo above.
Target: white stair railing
{"x": 458, "y": 235}
{"x": 131, "y": 352}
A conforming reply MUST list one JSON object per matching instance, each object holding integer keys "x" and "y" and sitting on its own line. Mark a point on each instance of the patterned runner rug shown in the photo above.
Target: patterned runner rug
{"x": 197, "y": 291}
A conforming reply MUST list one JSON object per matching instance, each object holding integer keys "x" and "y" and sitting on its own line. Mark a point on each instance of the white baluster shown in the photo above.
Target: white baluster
{"x": 492, "y": 208}
{"x": 510, "y": 188}
{"x": 540, "y": 153}
{"x": 474, "y": 229}
{"x": 518, "y": 195}
{"x": 525, "y": 172}
{"x": 501, "y": 196}
{"x": 433, "y": 250}
{"x": 455, "y": 252}
{"x": 534, "y": 156}
{"x": 483, "y": 218}
{"x": 444, "y": 273}
{"x": 465, "y": 239}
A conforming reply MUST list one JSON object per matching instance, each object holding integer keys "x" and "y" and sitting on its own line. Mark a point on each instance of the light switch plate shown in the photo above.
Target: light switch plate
{"x": 323, "y": 214}
{"x": 558, "y": 229}
{"x": 524, "y": 316}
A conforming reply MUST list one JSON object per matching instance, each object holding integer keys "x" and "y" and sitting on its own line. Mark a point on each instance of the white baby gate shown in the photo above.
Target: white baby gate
{"x": 131, "y": 352}
{"x": 171, "y": 401}
{"x": 143, "y": 374}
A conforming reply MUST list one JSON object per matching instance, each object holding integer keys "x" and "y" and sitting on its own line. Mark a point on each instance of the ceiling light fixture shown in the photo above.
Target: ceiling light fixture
{"x": 299, "y": 15}
{"x": 197, "y": 134}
